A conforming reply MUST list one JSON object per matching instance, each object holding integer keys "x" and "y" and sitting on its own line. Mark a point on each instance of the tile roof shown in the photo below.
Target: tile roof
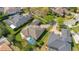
{"x": 12, "y": 10}
{"x": 33, "y": 30}
{"x": 5, "y": 47}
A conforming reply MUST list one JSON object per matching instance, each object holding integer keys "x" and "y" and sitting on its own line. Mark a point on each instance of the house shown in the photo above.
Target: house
{"x": 33, "y": 31}
{"x": 12, "y": 10}
{"x": 55, "y": 44}
{"x": 36, "y": 22}
{"x": 5, "y": 47}
{"x": 61, "y": 42}
{"x": 17, "y": 20}
{"x": 66, "y": 35}
{"x": 77, "y": 18}
{"x": 4, "y": 44}
{"x": 4, "y": 40}
{"x": 75, "y": 37}
{"x": 70, "y": 23}
{"x": 1, "y": 10}
{"x": 46, "y": 26}
{"x": 36, "y": 31}
{"x": 61, "y": 11}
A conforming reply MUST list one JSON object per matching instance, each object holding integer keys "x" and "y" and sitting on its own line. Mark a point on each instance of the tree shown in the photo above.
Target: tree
{"x": 39, "y": 11}
{"x": 5, "y": 31}
{"x": 49, "y": 18}
{"x": 26, "y": 10}
{"x": 11, "y": 38}
{"x": 73, "y": 9}
{"x": 1, "y": 33}
{"x": 60, "y": 21}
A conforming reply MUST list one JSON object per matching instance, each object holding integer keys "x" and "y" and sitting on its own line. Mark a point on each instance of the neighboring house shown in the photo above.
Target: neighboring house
{"x": 36, "y": 31}
{"x": 66, "y": 35}
{"x": 4, "y": 40}
{"x": 61, "y": 11}
{"x": 70, "y": 23}
{"x": 5, "y": 47}
{"x": 33, "y": 31}
{"x": 4, "y": 44}
{"x": 1, "y": 9}
{"x": 61, "y": 42}
{"x": 36, "y": 22}
{"x": 77, "y": 18}
{"x": 57, "y": 45}
{"x": 75, "y": 37}
{"x": 12, "y": 10}
{"x": 18, "y": 20}
{"x": 76, "y": 15}
{"x": 67, "y": 38}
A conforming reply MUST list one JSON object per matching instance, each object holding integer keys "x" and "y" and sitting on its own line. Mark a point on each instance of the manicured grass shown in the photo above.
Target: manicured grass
{"x": 75, "y": 46}
{"x": 45, "y": 38}
{"x": 18, "y": 37}
{"x": 76, "y": 29}
{"x": 11, "y": 31}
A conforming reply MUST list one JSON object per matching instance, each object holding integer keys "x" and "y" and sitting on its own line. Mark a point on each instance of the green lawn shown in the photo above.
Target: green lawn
{"x": 45, "y": 38}
{"x": 18, "y": 37}
{"x": 76, "y": 29}
{"x": 75, "y": 46}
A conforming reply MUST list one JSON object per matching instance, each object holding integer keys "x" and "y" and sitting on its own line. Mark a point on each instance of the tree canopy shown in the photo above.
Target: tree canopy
{"x": 11, "y": 38}
{"x": 60, "y": 20}
{"x": 3, "y": 30}
{"x": 49, "y": 18}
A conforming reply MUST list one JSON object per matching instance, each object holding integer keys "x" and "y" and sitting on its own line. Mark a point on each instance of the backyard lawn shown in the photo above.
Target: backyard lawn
{"x": 75, "y": 46}
{"x": 76, "y": 29}
{"x": 18, "y": 37}
{"x": 43, "y": 41}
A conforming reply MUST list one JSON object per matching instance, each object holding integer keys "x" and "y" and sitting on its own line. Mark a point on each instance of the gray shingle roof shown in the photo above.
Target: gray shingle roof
{"x": 1, "y": 9}
{"x": 66, "y": 35}
{"x": 18, "y": 20}
{"x": 52, "y": 37}
{"x": 35, "y": 22}
{"x": 60, "y": 43}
